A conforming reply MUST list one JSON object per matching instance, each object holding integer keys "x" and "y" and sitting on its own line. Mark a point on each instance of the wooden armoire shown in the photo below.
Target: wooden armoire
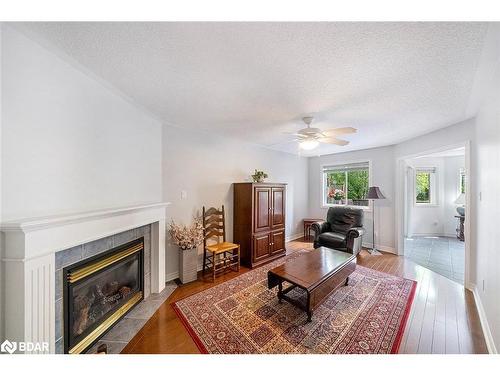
{"x": 259, "y": 221}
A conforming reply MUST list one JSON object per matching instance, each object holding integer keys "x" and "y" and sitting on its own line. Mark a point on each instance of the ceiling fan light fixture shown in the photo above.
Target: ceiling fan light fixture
{"x": 308, "y": 144}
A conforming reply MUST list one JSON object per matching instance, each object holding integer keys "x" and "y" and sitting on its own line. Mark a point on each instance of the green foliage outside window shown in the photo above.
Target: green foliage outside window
{"x": 423, "y": 187}
{"x": 462, "y": 182}
{"x": 357, "y": 184}
{"x": 353, "y": 183}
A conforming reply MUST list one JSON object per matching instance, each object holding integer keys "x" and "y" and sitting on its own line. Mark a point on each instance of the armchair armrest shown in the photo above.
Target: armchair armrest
{"x": 318, "y": 228}
{"x": 355, "y": 232}
{"x": 354, "y": 239}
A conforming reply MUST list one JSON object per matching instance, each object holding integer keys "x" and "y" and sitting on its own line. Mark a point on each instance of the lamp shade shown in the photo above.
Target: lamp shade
{"x": 374, "y": 193}
{"x": 460, "y": 199}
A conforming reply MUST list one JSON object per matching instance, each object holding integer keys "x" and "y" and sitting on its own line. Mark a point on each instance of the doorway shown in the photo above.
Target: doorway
{"x": 434, "y": 214}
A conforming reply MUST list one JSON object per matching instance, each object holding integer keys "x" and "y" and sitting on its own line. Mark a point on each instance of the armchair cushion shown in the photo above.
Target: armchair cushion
{"x": 333, "y": 240}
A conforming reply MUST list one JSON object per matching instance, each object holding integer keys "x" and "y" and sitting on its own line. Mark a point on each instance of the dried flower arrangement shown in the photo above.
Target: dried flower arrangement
{"x": 187, "y": 237}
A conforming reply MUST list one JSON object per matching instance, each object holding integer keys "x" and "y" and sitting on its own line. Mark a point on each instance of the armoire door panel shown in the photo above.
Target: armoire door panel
{"x": 277, "y": 242}
{"x": 261, "y": 247}
{"x": 278, "y": 207}
{"x": 262, "y": 202}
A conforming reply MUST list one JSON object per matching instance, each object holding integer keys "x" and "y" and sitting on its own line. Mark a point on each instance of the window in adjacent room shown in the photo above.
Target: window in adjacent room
{"x": 425, "y": 186}
{"x": 346, "y": 184}
{"x": 462, "y": 181}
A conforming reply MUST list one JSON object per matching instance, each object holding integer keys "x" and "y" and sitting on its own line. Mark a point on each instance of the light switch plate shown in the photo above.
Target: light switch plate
{"x": 184, "y": 194}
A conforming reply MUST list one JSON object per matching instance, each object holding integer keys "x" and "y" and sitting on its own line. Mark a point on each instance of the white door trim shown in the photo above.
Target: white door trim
{"x": 400, "y": 202}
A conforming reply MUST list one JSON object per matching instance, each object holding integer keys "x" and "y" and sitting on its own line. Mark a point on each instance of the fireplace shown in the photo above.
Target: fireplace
{"x": 99, "y": 291}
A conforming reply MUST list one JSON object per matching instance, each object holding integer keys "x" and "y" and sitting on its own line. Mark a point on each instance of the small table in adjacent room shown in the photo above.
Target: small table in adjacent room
{"x": 318, "y": 273}
{"x": 460, "y": 227}
{"x": 307, "y": 227}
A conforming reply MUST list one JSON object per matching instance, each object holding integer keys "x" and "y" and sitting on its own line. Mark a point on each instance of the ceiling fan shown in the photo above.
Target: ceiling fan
{"x": 309, "y": 138}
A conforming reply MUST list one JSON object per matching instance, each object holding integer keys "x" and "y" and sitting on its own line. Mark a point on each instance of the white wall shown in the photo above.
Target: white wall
{"x": 206, "y": 166}
{"x": 487, "y": 202}
{"x": 437, "y": 219}
{"x": 382, "y": 175}
{"x": 448, "y": 136}
{"x": 383, "y": 161}
{"x": 2, "y": 280}
{"x": 69, "y": 143}
{"x": 426, "y": 220}
{"x": 452, "y": 167}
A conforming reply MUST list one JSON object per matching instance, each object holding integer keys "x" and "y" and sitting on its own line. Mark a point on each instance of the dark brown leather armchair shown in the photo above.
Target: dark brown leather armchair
{"x": 342, "y": 230}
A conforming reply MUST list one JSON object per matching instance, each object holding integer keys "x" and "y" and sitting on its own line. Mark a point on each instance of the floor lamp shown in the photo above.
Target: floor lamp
{"x": 373, "y": 194}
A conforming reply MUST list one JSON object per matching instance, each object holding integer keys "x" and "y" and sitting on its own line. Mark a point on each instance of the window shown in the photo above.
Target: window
{"x": 346, "y": 184}
{"x": 425, "y": 183}
{"x": 462, "y": 181}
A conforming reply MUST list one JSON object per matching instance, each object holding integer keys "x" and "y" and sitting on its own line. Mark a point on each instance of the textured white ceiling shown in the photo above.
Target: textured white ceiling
{"x": 254, "y": 81}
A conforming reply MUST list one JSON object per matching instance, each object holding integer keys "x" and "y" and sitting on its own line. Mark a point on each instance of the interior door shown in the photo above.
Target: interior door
{"x": 278, "y": 208}
{"x": 261, "y": 246}
{"x": 262, "y": 203}
{"x": 277, "y": 242}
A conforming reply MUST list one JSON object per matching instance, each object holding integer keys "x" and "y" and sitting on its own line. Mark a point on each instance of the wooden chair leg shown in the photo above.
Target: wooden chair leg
{"x": 204, "y": 261}
{"x": 238, "y": 254}
{"x": 213, "y": 267}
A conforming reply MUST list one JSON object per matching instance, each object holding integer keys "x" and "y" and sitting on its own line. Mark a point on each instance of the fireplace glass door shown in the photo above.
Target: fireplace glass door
{"x": 99, "y": 292}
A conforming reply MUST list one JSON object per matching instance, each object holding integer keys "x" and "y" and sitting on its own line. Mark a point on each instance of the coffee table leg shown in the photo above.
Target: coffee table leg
{"x": 308, "y": 306}
{"x": 347, "y": 281}
{"x": 280, "y": 291}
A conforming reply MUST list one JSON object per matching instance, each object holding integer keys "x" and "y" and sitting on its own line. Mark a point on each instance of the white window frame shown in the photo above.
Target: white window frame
{"x": 433, "y": 188}
{"x": 323, "y": 202}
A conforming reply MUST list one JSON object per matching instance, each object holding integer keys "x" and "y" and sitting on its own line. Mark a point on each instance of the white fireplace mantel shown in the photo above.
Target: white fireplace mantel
{"x": 29, "y": 260}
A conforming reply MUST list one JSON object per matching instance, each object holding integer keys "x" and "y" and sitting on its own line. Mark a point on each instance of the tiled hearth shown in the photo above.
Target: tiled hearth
{"x": 119, "y": 336}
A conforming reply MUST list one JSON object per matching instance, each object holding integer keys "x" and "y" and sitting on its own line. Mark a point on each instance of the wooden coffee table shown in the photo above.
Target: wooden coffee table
{"x": 318, "y": 272}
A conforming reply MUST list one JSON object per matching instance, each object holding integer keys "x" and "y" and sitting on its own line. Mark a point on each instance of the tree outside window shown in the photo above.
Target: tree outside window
{"x": 423, "y": 187}
{"x": 462, "y": 181}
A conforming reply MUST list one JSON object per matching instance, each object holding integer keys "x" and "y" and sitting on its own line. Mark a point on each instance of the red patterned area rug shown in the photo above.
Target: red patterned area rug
{"x": 243, "y": 316}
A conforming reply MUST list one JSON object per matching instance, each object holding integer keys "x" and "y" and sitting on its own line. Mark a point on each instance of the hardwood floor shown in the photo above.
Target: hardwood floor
{"x": 443, "y": 318}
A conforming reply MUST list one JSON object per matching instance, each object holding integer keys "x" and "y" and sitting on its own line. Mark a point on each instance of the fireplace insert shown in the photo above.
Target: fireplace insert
{"x": 99, "y": 291}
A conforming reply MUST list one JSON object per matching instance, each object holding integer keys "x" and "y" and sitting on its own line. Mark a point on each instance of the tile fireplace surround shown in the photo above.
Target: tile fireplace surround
{"x": 36, "y": 250}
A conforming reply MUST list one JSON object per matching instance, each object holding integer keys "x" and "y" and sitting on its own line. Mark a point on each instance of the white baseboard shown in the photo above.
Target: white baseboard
{"x": 387, "y": 249}
{"x": 294, "y": 237}
{"x": 172, "y": 276}
{"x": 433, "y": 235}
{"x": 488, "y": 337}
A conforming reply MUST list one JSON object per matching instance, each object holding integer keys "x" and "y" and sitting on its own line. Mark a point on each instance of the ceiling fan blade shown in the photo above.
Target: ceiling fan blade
{"x": 339, "y": 131}
{"x": 296, "y": 134}
{"x": 333, "y": 141}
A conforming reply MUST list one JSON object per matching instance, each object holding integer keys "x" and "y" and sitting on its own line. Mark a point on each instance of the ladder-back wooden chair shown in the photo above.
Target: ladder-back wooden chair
{"x": 218, "y": 255}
